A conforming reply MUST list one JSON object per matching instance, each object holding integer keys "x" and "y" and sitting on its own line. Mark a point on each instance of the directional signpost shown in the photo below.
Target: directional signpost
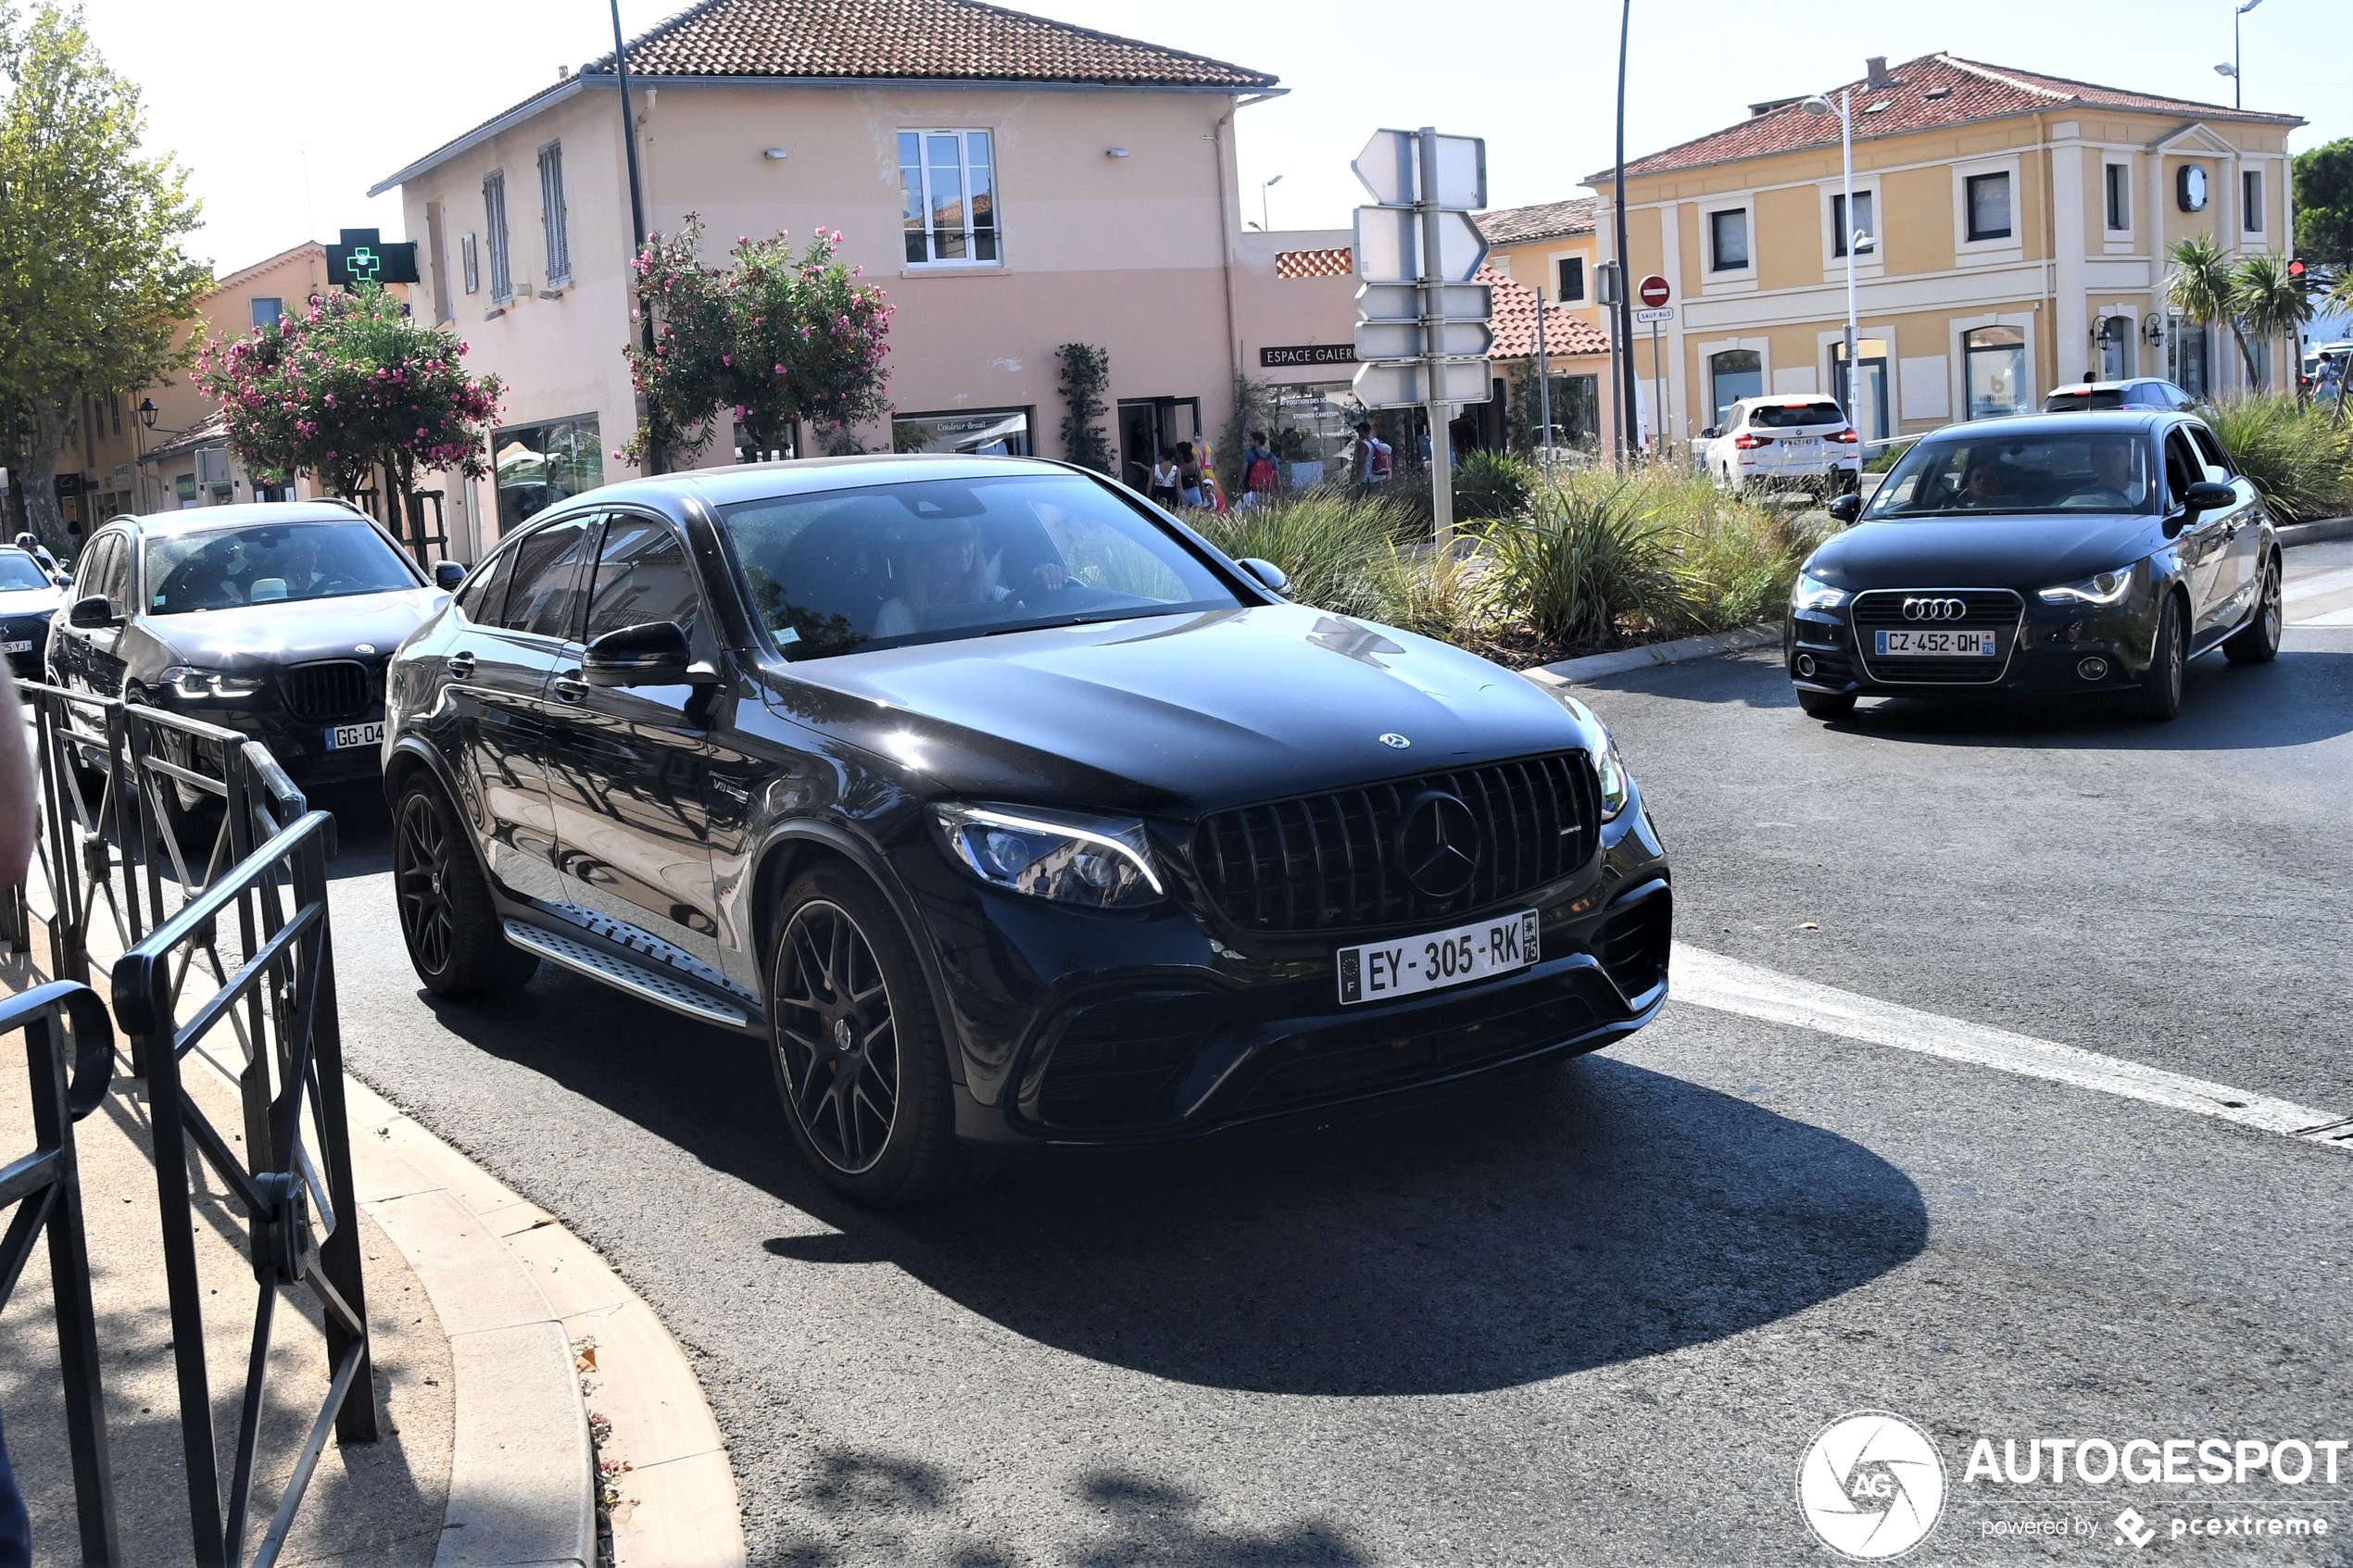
{"x": 1421, "y": 323}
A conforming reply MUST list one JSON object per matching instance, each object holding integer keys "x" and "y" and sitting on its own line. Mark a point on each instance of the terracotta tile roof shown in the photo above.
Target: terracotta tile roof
{"x": 1927, "y": 93}
{"x": 1517, "y": 225}
{"x": 909, "y": 40}
{"x": 1513, "y": 323}
{"x": 1337, "y": 261}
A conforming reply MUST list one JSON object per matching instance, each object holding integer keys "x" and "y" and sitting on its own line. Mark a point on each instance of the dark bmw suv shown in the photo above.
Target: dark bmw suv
{"x": 272, "y": 619}
{"x": 1005, "y": 808}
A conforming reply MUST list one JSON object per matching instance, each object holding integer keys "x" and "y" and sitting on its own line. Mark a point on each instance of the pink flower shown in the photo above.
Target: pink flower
{"x": 727, "y": 358}
{"x": 420, "y": 431}
{"x": 780, "y": 371}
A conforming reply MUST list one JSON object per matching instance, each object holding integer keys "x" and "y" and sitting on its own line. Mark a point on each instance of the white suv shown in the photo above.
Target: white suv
{"x": 1765, "y": 440}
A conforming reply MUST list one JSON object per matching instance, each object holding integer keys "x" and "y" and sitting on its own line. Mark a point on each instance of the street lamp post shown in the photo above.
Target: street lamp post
{"x": 1264, "y": 225}
{"x": 1851, "y": 237}
{"x": 2238, "y": 87}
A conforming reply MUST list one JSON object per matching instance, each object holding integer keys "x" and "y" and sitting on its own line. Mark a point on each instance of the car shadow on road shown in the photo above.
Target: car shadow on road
{"x": 2304, "y": 696}
{"x": 1586, "y": 1215}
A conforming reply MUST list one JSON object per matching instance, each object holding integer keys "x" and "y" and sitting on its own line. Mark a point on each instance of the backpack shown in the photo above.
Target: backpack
{"x": 1260, "y": 475}
{"x": 1380, "y": 460}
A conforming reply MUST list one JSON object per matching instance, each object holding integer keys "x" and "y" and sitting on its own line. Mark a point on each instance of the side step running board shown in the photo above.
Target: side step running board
{"x": 636, "y": 979}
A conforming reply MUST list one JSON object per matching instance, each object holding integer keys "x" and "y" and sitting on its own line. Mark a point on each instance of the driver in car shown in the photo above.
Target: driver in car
{"x": 938, "y": 563}
{"x": 2116, "y": 487}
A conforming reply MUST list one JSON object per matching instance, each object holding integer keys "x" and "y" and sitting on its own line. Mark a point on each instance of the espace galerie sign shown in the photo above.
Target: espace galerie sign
{"x": 1872, "y": 1484}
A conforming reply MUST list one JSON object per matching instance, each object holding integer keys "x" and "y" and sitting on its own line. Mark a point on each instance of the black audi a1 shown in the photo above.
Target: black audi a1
{"x": 1004, "y": 808}
{"x": 2046, "y": 555}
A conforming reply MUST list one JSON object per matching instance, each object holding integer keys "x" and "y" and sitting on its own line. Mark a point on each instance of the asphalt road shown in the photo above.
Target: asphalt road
{"x": 1596, "y": 1317}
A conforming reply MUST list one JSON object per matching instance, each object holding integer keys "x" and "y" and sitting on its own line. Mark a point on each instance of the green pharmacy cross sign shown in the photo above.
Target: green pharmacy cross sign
{"x": 363, "y": 257}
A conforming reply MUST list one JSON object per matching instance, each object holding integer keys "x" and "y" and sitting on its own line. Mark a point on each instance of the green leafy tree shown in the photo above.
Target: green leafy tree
{"x": 2204, "y": 287}
{"x": 93, "y": 281}
{"x": 778, "y": 338}
{"x": 2323, "y": 186}
{"x": 2272, "y": 304}
{"x": 348, "y": 387}
{"x": 1086, "y": 370}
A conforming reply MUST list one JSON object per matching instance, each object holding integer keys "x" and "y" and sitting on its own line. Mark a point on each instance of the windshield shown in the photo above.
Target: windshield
{"x": 935, "y": 559}
{"x": 2103, "y": 471}
{"x": 1790, "y": 416}
{"x": 271, "y": 563}
{"x": 20, "y": 571}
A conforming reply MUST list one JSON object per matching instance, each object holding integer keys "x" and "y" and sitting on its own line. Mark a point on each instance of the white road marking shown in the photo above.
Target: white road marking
{"x": 1711, "y": 980}
{"x": 2332, "y": 618}
{"x": 2297, "y": 588}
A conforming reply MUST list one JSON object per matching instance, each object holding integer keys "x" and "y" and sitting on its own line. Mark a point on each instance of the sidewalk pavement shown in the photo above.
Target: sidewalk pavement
{"x": 489, "y": 1323}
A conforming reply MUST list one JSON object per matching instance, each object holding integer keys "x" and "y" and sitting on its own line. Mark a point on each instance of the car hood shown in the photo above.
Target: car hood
{"x": 1178, "y": 714}
{"x": 31, "y": 601}
{"x": 2024, "y": 552}
{"x": 294, "y": 631}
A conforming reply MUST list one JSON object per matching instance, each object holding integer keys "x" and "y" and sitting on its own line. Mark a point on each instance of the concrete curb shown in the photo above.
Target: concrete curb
{"x": 1593, "y": 667}
{"x": 2326, "y": 528}
{"x": 516, "y": 1291}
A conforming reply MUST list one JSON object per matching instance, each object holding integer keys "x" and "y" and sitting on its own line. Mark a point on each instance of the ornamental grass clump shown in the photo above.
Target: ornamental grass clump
{"x": 1330, "y": 542}
{"x": 2299, "y": 457}
{"x": 1587, "y": 562}
{"x": 1492, "y": 484}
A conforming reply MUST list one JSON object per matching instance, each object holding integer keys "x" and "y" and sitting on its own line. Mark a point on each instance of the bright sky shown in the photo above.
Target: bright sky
{"x": 287, "y": 111}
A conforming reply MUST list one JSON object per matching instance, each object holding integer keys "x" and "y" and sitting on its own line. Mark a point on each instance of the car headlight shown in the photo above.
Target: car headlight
{"x": 1812, "y": 593}
{"x": 200, "y": 684}
{"x": 2101, "y": 588}
{"x": 1105, "y": 863}
{"x": 1617, "y": 785}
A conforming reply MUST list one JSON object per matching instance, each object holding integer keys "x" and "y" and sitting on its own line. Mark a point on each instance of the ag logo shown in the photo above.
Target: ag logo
{"x": 1870, "y": 1485}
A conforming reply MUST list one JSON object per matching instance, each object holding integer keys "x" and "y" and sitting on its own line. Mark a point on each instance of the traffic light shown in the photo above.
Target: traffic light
{"x": 363, "y": 257}
{"x": 2295, "y": 269}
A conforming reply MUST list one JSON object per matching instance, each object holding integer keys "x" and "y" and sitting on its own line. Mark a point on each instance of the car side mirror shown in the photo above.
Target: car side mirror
{"x": 1266, "y": 571}
{"x": 448, "y": 575}
{"x": 2208, "y": 496}
{"x": 654, "y": 654}
{"x": 92, "y": 614}
{"x": 1845, "y": 509}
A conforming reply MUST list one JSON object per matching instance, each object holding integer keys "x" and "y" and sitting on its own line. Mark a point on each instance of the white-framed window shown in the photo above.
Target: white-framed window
{"x": 1866, "y": 223}
{"x": 948, "y": 179}
{"x": 1986, "y": 202}
{"x": 2251, "y": 200}
{"x": 551, "y": 212}
{"x": 470, "y": 263}
{"x": 2117, "y": 190}
{"x": 1728, "y": 248}
{"x": 494, "y": 229}
{"x": 1994, "y": 371}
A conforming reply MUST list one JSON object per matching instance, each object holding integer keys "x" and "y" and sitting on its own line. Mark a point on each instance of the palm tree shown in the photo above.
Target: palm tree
{"x": 2202, "y": 288}
{"x": 2272, "y": 304}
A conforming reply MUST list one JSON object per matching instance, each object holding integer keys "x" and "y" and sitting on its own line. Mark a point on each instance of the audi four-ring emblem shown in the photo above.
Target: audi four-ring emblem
{"x": 1934, "y": 610}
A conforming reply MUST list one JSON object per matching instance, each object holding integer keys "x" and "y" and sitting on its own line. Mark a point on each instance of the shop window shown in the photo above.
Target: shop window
{"x": 1995, "y": 362}
{"x": 541, "y": 464}
{"x": 987, "y": 433}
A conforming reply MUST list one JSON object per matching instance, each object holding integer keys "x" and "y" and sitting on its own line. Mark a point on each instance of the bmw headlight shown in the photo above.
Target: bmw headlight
{"x": 1104, "y": 863}
{"x": 1812, "y": 593}
{"x": 199, "y": 685}
{"x": 1618, "y": 787}
{"x": 2101, "y": 588}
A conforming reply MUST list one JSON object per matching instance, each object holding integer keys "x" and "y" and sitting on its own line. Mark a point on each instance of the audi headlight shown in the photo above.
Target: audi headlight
{"x": 1812, "y": 593}
{"x": 1104, "y": 863}
{"x": 2101, "y": 588}
{"x": 199, "y": 685}
{"x": 1618, "y": 787}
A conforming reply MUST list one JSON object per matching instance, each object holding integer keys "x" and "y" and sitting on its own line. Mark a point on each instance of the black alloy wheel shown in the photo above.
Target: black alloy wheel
{"x": 456, "y": 939}
{"x": 859, "y": 1057}
{"x": 2159, "y": 697}
{"x": 2258, "y": 641}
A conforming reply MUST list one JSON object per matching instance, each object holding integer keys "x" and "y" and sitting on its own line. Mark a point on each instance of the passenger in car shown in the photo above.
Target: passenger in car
{"x": 936, "y": 562}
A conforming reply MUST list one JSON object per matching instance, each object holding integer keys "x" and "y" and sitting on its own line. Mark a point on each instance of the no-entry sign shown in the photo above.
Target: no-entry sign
{"x": 1655, "y": 292}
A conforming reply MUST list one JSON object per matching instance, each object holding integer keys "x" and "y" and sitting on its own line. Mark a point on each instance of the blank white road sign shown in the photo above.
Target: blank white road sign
{"x": 1402, "y": 340}
{"x": 1388, "y": 245}
{"x": 1402, "y": 302}
{"x": 1406, "y": 386}
{"x": 1390, "y": 167}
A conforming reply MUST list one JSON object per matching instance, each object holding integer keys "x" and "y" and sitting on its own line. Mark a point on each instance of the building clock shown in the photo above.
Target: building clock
{"x": 2190, "y": 188}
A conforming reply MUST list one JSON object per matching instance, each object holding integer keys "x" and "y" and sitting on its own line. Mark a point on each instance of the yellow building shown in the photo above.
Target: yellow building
{"x": 1548, "y": 248}
{"x": 2016, "y": 229}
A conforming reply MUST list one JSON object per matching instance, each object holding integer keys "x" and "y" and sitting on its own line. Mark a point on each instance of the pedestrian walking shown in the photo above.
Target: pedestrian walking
{"x": 2328, "y": 379}
{"x": 1166, "y": 475}
{"x": 1372, "y": 462}
{"x": 1259, "y": 471}
{"x": 1189, "y": 476}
